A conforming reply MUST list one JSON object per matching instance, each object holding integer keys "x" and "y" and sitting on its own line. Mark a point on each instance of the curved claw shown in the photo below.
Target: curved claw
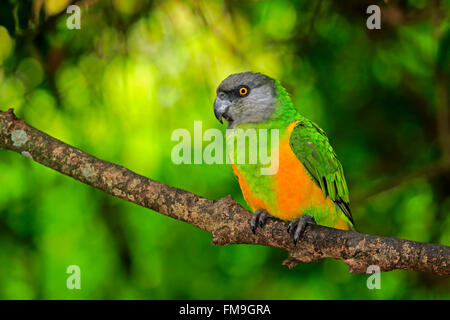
{"x": 259, "y": 218}
{"x": 297, "y": 227}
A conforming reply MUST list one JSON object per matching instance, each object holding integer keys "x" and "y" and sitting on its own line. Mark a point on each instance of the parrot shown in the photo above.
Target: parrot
{"x": 309, "y": 186}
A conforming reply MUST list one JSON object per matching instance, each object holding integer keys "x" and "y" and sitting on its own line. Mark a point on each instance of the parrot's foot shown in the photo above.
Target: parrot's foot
{"x": 298, "y": 226}
{"x": 259, "y": 218}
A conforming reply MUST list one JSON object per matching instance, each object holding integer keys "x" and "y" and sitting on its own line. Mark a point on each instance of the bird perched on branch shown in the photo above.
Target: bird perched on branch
{"x": 309, "y": 186}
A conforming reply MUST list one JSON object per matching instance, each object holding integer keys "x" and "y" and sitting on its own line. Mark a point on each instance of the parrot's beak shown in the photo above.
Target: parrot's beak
{"x": 220, "y": 108}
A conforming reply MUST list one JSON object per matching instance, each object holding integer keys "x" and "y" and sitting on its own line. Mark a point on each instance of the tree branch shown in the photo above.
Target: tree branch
{"x": 226, "y": 220}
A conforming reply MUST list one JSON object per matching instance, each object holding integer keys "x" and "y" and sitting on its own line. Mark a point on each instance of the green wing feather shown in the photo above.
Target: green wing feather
{"x": 311, "y": 146}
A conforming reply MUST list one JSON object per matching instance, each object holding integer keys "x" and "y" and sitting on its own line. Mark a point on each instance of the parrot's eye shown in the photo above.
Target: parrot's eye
{"x": 243, "y": 91}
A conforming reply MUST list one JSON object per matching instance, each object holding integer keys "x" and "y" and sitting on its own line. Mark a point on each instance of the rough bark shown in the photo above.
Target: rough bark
{"x": 226, "y": 220}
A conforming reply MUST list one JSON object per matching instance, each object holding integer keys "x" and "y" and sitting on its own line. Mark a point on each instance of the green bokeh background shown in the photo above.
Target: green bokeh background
{"x": 137, "y": 70}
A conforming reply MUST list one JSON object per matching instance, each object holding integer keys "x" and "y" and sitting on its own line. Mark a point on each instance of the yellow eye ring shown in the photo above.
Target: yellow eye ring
{"x": 243, "y": 91}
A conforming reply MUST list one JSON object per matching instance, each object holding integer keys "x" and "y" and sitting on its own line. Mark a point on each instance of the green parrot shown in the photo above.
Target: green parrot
{"x": 309, "y": 186}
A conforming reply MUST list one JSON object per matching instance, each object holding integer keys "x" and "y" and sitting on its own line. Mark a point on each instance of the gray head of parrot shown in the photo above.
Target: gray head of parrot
{"x": 245, "y": 98}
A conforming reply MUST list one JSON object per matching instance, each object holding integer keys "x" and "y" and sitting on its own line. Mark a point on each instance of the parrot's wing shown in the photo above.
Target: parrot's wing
{"x": 311, "y": 146}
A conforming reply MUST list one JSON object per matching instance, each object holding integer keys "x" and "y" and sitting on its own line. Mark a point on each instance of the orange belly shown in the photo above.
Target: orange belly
{"x": 294, "y": 189}
{"x": 293, "y": 192}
